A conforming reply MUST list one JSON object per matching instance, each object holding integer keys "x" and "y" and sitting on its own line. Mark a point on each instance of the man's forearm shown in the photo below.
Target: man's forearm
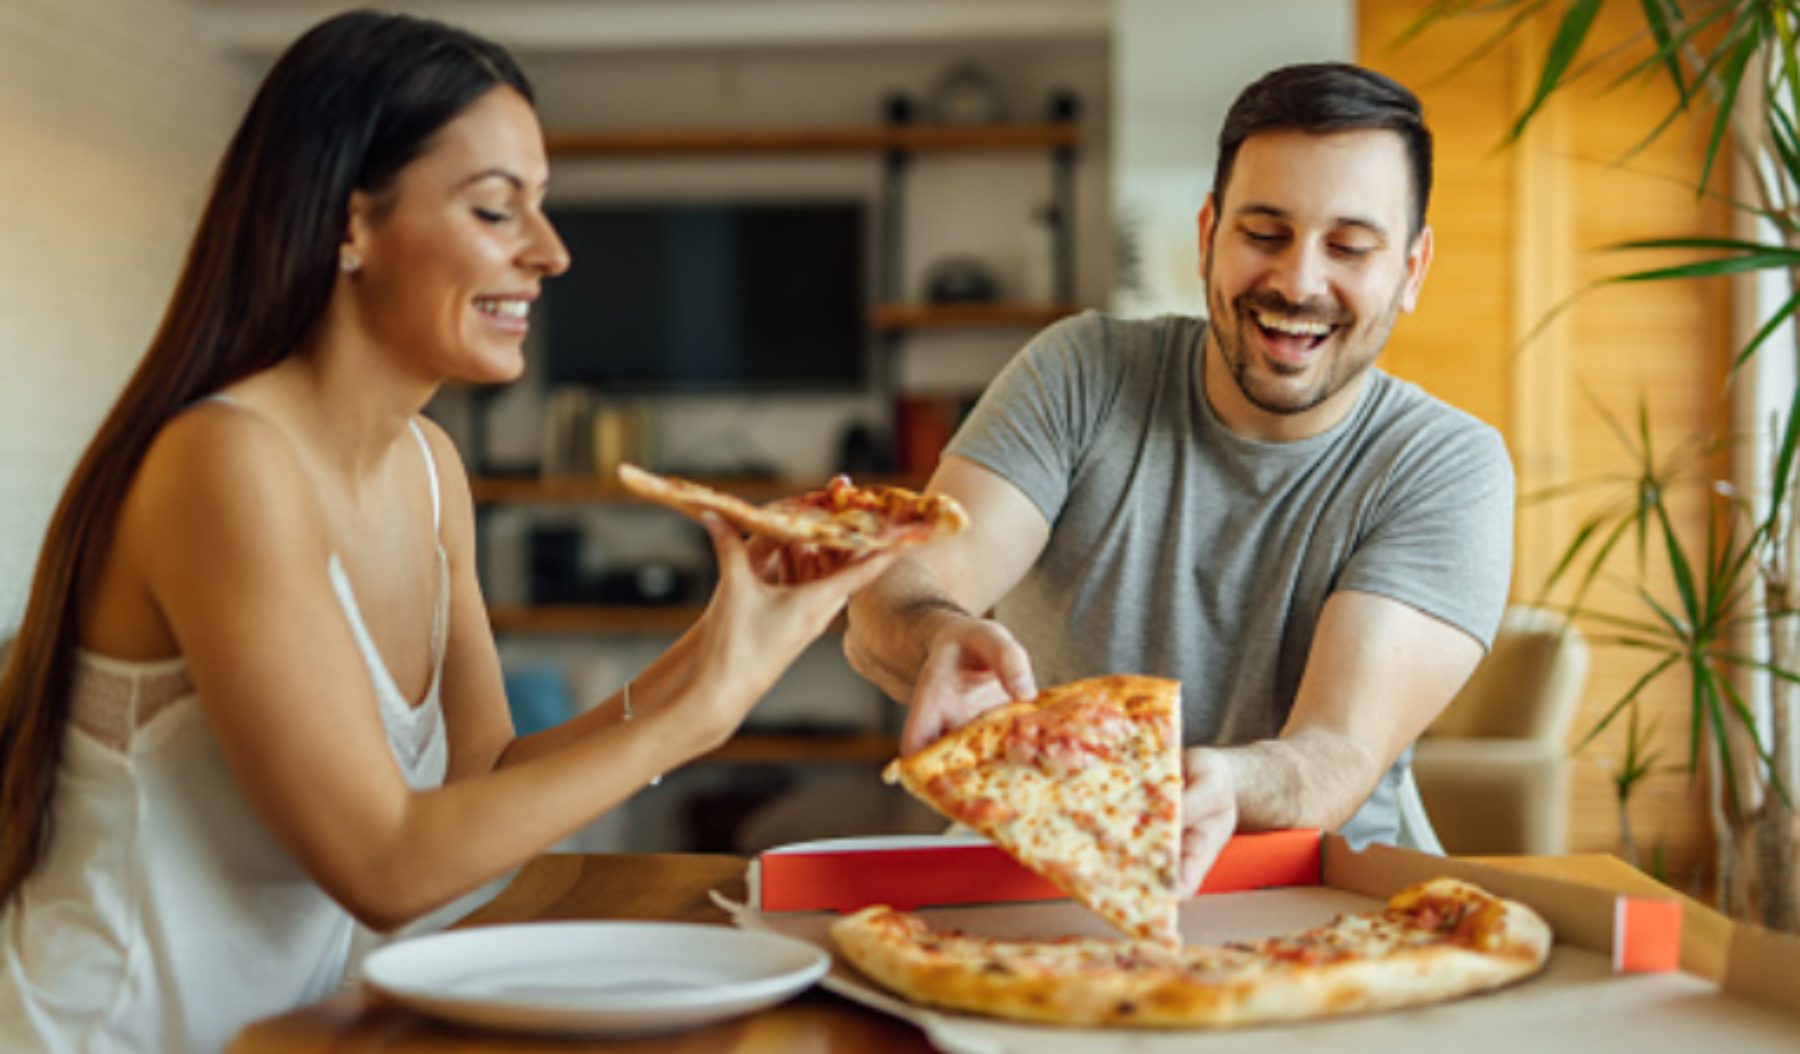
{"x": 892, "y": 624}
{"x": 1313, "y": 778}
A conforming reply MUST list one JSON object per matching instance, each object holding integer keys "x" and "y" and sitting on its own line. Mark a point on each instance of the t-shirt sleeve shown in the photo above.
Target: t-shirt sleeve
{"x": 1038, "y": 416}
{"x": 1441, "y": 539}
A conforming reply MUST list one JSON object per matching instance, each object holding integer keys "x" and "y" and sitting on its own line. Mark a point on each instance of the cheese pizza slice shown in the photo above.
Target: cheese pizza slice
{"x": 1082, "y": 785}
{"x": 841, "y": 516}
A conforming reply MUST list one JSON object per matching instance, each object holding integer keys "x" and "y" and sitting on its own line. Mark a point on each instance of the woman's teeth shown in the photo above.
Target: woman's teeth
{"x": 503, "y": 307}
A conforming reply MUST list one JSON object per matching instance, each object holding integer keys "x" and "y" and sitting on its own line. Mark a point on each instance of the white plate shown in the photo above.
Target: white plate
{"x": 594, "y": 978}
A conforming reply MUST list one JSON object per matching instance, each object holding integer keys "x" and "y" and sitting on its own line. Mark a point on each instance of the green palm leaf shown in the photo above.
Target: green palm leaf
{"x": 1624, "y": 701}
{"x": 1570, "y": 35}
{"x": 1784, "y": 461}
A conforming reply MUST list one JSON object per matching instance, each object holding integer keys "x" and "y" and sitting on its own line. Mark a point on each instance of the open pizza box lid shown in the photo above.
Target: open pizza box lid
{"x": 1621, "y": 975}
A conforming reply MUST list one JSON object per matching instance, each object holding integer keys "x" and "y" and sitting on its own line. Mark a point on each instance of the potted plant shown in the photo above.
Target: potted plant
{"x": 1731, "y": 630}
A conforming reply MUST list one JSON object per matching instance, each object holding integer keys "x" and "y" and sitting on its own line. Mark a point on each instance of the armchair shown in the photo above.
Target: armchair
{"x": 1493, "y": 769}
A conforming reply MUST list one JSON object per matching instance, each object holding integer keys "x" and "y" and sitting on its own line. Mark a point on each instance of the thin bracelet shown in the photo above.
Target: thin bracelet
{"x": 625, "y": 709}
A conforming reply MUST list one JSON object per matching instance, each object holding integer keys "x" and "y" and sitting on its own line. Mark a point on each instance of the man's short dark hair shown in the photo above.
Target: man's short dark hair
{"x": 1323, "y": 97}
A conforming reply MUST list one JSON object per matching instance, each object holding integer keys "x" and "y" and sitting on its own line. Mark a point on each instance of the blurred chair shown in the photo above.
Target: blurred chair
{"x": 1493, "y": 769}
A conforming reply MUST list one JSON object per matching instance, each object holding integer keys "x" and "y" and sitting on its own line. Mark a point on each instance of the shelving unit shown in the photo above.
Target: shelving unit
{"x": 845, "y": 140}
{"x": 895, "y": 144}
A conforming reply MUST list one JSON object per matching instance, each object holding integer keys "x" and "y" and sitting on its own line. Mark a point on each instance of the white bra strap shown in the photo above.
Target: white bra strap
{"x": 430, "y": 472}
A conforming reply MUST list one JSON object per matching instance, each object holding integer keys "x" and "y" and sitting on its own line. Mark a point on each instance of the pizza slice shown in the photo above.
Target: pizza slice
{"x": 1082, "y": 785}
{"x": 842, "y": 516}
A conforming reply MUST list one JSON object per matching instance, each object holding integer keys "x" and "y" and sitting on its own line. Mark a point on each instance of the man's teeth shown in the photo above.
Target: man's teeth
{"x": 1293, "y": 326}
{"x": 504, "y": 308}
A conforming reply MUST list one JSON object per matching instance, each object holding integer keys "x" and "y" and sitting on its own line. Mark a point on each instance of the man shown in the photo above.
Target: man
{"x": 1318, "y": 551}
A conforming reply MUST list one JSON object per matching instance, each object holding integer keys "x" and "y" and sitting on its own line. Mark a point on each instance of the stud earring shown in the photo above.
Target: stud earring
{"x": 349, "y": 260}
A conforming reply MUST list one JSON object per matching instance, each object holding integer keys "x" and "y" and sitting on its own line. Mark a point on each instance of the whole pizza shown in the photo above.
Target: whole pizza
{"x": 1436, "y": 941}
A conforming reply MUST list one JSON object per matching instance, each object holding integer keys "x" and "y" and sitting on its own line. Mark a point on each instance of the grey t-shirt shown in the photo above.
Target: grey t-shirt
{"x": 1181, "y": 549}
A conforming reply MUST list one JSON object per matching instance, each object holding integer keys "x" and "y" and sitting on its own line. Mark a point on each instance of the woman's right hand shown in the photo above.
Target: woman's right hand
{"x": 762, "y": 614}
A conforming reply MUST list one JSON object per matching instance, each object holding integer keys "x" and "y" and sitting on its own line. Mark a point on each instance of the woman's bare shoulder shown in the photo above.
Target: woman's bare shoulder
{"x": 218, "y": 470}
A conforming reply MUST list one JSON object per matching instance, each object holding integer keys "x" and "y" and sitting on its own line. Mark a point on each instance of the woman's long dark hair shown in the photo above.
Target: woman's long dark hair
{"x": 345, "y": 108}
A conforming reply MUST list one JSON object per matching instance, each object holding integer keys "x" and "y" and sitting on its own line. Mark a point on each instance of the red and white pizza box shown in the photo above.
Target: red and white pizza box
{"x": 1641, "y": 934}
{"x": 917, "y": 871}
{"x": 1621, "y": 977}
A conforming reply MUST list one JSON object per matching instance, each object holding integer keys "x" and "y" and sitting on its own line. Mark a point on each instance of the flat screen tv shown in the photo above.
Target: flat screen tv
{"x": 691, "y": 297}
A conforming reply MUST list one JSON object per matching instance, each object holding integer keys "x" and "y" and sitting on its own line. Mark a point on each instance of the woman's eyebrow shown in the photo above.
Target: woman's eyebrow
{"x": 494, "y": 173}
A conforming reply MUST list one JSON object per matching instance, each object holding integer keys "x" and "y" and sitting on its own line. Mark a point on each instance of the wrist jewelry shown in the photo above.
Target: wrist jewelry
{"x": 625, "y": 709}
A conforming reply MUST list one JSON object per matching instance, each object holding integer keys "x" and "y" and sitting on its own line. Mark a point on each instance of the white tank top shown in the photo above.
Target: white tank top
{"x": 164, "y": 916}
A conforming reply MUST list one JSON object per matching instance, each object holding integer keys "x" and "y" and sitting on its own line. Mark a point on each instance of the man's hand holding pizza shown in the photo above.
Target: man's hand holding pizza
{"x": 971, "y": 666}
{"x": 1209, "y": 813}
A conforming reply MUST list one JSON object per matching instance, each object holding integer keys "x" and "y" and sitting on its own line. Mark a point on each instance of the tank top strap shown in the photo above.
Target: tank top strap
{"x": 430, "y": 473}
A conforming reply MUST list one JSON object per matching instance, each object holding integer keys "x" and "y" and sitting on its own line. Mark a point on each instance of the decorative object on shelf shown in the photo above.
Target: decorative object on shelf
{"x": 554, "y": 553}
{"x": 1037, "y": 254}
{"x": 568, "y": 433}
{"x": 1128, "y": 251}
{"x": 538, "y": 696}
{"x": 621, "y": 434}
{"x": 923, "y": 425}
{"x": 863, "y": 451}
{"x": 961, "y": 280}
{"x": 654, "y": 583}
{"x": 967, "y": 94}
{"x": 898, "y": 108}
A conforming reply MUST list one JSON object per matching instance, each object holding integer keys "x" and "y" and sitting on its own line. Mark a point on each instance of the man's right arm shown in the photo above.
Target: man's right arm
{"x": 917, "y": 632}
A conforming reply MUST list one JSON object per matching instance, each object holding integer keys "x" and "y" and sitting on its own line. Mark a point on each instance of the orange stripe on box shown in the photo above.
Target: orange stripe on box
{"x": 924, "y": 876}
{"x": 902, "y": 878}
{"x": 1646, "y": 935}
{"x": 1266, "y": 859}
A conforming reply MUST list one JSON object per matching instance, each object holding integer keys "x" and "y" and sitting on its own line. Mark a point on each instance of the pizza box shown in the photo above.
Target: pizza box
{"x": 907, "y": 872}
{"x": 1619, "y": 978}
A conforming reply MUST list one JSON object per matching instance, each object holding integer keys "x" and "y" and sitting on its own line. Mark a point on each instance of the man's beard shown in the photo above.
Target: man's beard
{"x": 1355, "y": 351}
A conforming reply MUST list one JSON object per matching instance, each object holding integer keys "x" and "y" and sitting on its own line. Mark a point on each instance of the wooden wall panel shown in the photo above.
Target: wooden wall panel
{"x": 1519, "y": 230}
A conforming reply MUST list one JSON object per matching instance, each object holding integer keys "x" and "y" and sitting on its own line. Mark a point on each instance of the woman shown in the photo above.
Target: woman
{"x": 255, "y": 693}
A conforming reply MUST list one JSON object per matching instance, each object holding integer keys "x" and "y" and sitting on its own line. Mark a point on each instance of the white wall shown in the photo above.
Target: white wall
{"x": 112, "y": 113}
{"x": 1177, "y": 65}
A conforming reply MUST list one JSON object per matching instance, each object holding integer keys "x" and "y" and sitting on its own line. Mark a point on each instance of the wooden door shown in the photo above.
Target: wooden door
{"x": 1518, "y": 231}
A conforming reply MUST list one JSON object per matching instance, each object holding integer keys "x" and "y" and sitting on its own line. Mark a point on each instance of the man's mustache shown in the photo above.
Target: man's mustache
{"x": 1272, "y": 303}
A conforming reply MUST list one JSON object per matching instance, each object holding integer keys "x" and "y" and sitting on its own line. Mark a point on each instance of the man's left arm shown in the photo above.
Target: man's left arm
{"x": 1379, "y": 672}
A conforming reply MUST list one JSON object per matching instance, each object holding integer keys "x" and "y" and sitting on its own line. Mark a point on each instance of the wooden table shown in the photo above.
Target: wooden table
{"x": 570, "y": 886}
{"x": 674, "y": 887}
